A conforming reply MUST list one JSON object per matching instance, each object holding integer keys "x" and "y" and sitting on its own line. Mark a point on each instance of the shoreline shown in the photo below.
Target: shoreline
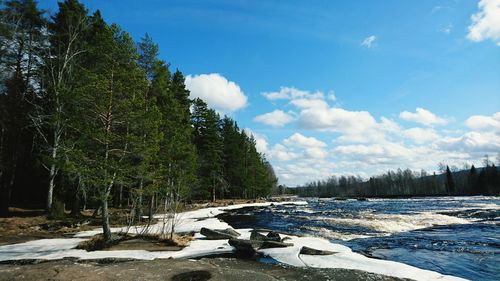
{"x": 54, "y": 249}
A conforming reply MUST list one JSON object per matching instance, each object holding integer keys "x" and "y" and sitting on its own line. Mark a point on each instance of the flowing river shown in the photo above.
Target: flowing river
{"x": 457, "y": 236}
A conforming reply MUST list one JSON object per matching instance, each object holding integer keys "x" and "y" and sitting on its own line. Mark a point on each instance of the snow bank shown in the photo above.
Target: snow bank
{"x": 194, "y": 221}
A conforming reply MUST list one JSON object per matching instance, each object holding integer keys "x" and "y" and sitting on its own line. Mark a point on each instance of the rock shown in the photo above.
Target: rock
{"x": 243, "y": 247}
{"x": 274, "y": 244}
{"x": 314, "y": 252}
{"x": 219, "y": 234}
{"x": 273, "y": 236}
{"x": 257, "y": 236}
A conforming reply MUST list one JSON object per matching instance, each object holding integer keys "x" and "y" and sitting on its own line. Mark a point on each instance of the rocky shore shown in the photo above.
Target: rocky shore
{"x": 213, "y": 269}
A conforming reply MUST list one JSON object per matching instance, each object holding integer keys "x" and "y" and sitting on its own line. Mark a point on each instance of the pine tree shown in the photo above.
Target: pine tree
{"x": 109, "y": 110}
{"x": 209, "y": 147}
{"x": 22, "y": 41}
{"x": 233, "y": 157}
{"x": 450, "y": 183}
{"x": 67, "y": 31}
{"x": 147, "y": 160}
{"x": 472, "y": 180}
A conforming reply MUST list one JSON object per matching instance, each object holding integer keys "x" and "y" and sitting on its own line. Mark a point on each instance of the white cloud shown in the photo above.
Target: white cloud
{"x": 389, "y": 125}
{"x": 481, "y": 122}
{"x": 355, "y": 126}
{"x": 276, "y": 118}
{"x": 422, "y": 116}
{"x": 331, "y": 96}
{"x": 299, "y": 140}
{"x": 291, "y": 93}
{"x": 472, "y": 142}
{"x": 365, "y": 145}
{"x": 385, "y": 152}
{"x": 217, "y": 91}
{"x": 368, "y": 41}
{"x": 282, "y": 153}
{"x": 486, "y": 22}
{"x": 309, "y": 103}
{"x": 420, "y": 135}
{"x": 315, "y": 153}
{"x": 336, "y": 120}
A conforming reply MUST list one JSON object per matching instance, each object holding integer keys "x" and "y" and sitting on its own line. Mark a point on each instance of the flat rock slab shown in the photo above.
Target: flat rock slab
{"x": 217, "y": 269}
{"x": 219, "y": 234}
{"x": 314, "y": 252}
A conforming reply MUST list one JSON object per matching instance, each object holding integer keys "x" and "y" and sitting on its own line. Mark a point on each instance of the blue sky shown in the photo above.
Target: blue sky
{"x": 335, "y": 87}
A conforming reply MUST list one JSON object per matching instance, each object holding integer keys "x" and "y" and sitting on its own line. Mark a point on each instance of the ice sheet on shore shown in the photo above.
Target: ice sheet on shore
{"x": 194, "y": 220}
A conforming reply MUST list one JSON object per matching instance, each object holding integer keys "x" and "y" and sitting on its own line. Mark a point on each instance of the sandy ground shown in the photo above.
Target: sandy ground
{"x": 212, "y": 269}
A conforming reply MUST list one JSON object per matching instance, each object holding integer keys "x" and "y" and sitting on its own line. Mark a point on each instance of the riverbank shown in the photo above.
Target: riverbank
{"x": 213, "y": 269}
{"x": 193, "y": 221}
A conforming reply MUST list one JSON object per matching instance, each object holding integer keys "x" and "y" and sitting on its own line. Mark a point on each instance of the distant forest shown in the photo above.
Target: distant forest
{"x": 88, "y": 118}
{"x": 404, "y": 183}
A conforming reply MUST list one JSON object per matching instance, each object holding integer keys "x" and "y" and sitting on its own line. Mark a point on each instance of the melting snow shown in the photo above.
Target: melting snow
{"x": 194, "y": 221}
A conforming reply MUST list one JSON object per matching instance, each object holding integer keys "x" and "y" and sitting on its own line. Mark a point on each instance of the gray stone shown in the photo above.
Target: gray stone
{"x": 219, "y": 234}
{"x": 314, "y": 252}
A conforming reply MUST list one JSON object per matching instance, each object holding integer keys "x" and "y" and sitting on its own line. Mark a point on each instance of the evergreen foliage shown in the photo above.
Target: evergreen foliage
{"x": 90, "y": 116}
{"x": 401, "y": 183}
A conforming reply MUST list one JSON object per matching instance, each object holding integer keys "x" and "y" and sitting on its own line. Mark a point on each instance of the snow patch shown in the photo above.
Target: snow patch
{"x": 194, "y": 220}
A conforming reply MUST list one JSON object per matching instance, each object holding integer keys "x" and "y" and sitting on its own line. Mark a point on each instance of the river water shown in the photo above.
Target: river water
{"x": 458, "y": 236}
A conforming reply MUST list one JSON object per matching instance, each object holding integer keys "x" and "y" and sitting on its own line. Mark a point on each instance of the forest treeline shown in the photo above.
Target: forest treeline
{"x": 91, "y": 118}
{"x": 403, "y": 183}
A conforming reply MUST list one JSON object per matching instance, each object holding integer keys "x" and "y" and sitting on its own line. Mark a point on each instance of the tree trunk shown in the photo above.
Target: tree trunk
{"x": 75, "y": 207}
{"x": 4, "y": 197}
{"x": 151, "y": 203}
{"x": 138, "y": 208}
{"x": 52, "y": 173}
{"x": 96, "y": 211}
{"x": 120, "y": 196}
{"x": 106, "y": 230}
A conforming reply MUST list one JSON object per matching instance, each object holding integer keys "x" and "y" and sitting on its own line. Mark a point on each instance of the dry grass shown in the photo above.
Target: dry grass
{"x": 94, "y": 244}
{"x": 97, "y": 242}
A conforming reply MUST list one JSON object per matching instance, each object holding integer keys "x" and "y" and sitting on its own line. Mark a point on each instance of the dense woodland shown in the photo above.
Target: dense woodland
{"x": 88, "y": 118}
{"x": 403, "y": 183}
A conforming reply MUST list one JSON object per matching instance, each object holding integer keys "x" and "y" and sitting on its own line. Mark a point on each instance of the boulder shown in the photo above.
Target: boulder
{"x": 219, "y": 234}
{"x": 256, "y": 236}
{"x": 274, "y": 244}
{"x": 273, "y": 236}
{"x": 243, "y": 247}
{"x": 314, "y": 252}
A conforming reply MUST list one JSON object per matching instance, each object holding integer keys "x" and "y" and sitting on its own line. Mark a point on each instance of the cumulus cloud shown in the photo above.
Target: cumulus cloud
{"x": 282, "y": 153}
{"x": 336, "y": 120}
{"x": 368, "y": 41}
{"x": 219, "y": 93}
{"x": 354, "y": 126}
{"x": 472, "y": 142}
{"x": 422, "y": 116}
{"x": 420, "y": 135}
{"x": 385, "y": 152}
{"x": 367, "y": 145}
{"x": 276, "y": 118}
{"x": 315, "y": 153}
{"x": 309, "y": 103}
{"x": 300, "y": 140}
{"x": 481, "y": 122}
{"x": 291, "y": 93}
{"x": 486, "y": 22}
